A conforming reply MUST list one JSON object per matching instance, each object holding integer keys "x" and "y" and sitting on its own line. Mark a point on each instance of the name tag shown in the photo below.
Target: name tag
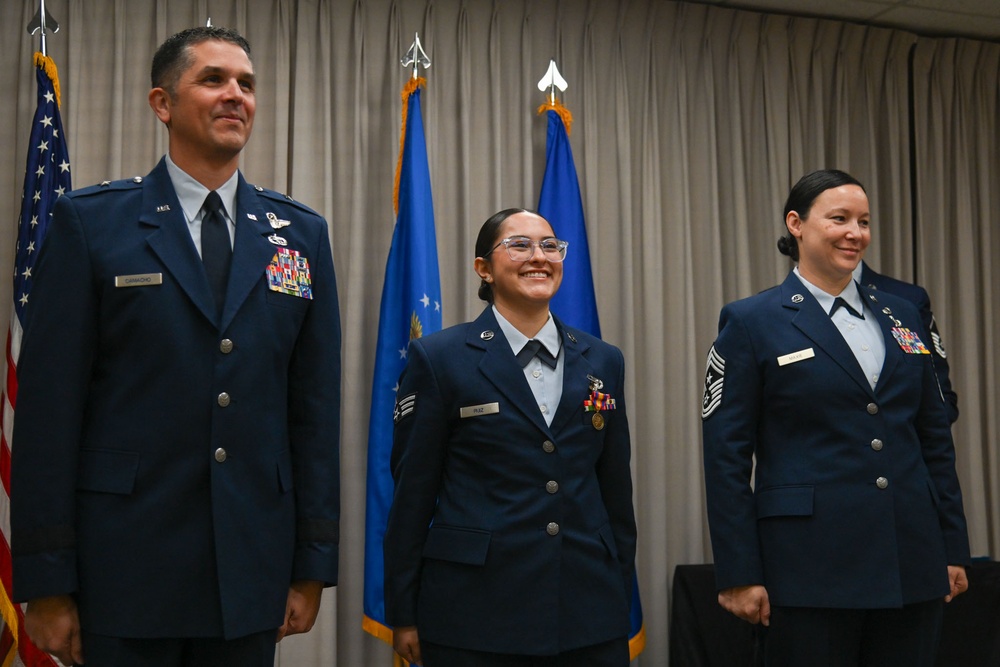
{"x": 139, "y": 280}
{"x": 479, "y": 410}
{"x": 801, "y": 355}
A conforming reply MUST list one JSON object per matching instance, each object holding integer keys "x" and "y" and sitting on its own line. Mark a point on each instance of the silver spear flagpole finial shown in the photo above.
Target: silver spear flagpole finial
{"x": 42, "y": 23}
{"x": 552, "y": 80}
{"x": 415, "y": 56}
{"x": 208, "y": 23}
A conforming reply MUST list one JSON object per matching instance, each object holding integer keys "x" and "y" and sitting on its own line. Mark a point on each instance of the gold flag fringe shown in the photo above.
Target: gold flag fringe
{"x": 411, "y": 87}
{"x": 563, "y": 112}
{"x": 49, "y": 66}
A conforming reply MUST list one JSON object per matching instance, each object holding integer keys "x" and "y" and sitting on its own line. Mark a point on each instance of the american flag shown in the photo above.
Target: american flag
{"x": 46, "y": 177}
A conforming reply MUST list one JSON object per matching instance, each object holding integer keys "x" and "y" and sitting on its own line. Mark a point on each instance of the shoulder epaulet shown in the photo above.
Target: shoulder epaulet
{"x": 109, "y": 186}
{"x": 282, "y": 198}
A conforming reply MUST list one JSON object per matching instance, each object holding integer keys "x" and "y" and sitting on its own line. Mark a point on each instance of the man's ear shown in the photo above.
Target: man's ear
{"x": 159, "y": 102}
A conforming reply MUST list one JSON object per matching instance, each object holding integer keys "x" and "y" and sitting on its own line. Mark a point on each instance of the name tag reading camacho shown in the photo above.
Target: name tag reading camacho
{"x": 786, "y": 359}
{"x": 139, "y": 280}
{"x": 479, "y": 410}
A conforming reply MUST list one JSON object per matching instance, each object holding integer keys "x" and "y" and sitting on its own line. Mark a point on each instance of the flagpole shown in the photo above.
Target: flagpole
{"x": 42, "y": 23}
{"x": 416, "y": 57}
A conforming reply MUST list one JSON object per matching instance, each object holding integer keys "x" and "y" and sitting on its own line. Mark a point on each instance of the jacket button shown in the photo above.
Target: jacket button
{"x": 552, "y": 486}
{"x": 220, "y": 455}
{"x": 872, "y": 409}
{"x": 877, "y": 445}
{"x": 552, "y": 528}
{"x": 548, "y": 447}
{"x": 882, "y": 483}
{"x": 226, "y": 346}
{"x": 224, "y": 399}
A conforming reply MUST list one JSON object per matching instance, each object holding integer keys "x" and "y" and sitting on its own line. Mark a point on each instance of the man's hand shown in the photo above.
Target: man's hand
{"x": 53, "y": 624}
{"x": 959, "y": 582}
{"x": 302, "y": 607}
{"x": 406, "y": 643}
{"x": 748, "y": 602}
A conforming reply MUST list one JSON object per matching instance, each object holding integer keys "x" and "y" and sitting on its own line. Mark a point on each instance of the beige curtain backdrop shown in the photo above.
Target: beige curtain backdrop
{"x": 957, "y": 129}
{"x": 691, "y": 124}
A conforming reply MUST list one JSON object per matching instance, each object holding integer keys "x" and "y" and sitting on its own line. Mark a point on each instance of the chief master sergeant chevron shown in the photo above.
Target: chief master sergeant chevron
{"x": 176, "y": 448}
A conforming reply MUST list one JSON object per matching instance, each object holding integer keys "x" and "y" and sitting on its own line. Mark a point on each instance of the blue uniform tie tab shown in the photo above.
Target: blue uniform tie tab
{"x": 534, "y": 348}
{"x": 838, "y": 302}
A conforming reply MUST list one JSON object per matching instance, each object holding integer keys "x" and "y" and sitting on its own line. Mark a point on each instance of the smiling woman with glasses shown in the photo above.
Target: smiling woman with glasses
{"x": 511, "y": 533}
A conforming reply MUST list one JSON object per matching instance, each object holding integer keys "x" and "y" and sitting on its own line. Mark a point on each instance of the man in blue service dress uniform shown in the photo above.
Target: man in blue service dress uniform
{"x": 176, "y": 460}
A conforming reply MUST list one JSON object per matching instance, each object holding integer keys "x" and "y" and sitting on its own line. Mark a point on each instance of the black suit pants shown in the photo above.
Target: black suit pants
{"x": 818, "y": 637}
{"x": 256, "y": 650}
{"x": 614, "y": 653}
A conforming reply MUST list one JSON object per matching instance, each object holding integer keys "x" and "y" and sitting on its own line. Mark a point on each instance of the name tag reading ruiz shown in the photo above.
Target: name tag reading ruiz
{"x": 479, "y": 410}
{"x": 801, "y": 355}
{"x": 139, "y": 280}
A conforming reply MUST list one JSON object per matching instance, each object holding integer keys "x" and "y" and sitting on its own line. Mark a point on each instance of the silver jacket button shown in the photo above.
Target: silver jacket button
{"x": 224, "y": 399}
{"x": 220, "y": 455}
{"x": 552, "y": 528}
{"x": 882, "y": 483}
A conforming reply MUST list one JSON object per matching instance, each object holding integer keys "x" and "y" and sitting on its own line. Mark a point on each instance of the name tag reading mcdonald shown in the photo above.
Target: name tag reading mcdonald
{"x": 801, "y": 355}
{"x": 139, "y": 280}
{"x": 479, "y": 410}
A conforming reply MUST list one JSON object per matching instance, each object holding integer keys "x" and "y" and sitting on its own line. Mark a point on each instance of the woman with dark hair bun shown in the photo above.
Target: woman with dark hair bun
{"x": 852, "y": 534}
{"x": 511, "y": 533}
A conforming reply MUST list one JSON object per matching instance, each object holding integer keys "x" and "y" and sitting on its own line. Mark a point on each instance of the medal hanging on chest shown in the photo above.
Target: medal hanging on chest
{"x": 597, "y": 402}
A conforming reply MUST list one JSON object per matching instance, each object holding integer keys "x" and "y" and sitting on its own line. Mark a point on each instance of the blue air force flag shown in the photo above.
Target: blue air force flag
{"x": 411, "y": 308}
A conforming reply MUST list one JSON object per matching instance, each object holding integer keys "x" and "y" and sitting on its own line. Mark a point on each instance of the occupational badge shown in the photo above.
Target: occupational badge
{"x": 276, "y": 222}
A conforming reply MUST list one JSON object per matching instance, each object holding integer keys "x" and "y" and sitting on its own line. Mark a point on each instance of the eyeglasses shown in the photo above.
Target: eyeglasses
{"x": 521, "y": 248}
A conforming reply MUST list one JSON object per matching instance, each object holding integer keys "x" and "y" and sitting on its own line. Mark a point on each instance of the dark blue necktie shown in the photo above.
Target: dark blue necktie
{"x": 534, "y": 348}
{"x": 216, "y": 248}
{"x": 838, "y": 302}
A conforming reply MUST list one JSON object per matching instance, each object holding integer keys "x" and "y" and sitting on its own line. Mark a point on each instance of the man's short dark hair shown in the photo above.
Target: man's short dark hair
{"x": 174, "y": 55}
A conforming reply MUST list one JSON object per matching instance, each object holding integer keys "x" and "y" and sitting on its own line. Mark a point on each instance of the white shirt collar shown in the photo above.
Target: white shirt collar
{"x": 191, "y": 193}
{"x": 548, "y": 335}
{"x": 858, "y": 270}
{"x": 850, "y": 294}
